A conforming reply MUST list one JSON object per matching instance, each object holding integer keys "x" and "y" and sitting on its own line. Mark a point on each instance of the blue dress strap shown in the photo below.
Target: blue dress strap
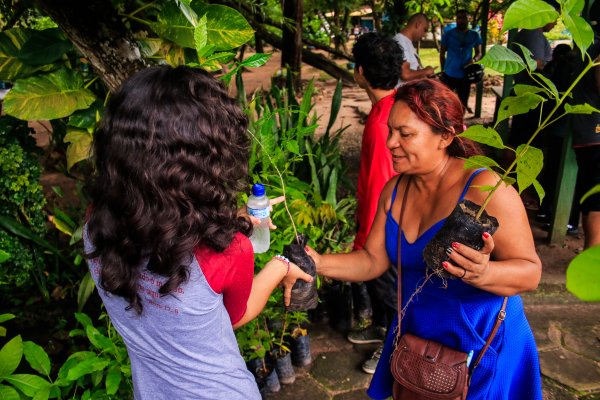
{"x": 396, "y": 189}
{"x": 468, "y": 185}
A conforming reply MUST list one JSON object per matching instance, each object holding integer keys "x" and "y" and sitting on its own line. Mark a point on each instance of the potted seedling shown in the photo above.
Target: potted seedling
{"x": 282, "y": 353}
{"x": 255, "y": 344}
{"x": 469, "y": 220}
{"x": 300, "y": 341}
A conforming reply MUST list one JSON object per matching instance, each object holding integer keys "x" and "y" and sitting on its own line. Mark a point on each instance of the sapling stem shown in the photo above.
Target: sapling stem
{"x": 540, "y": 127}
{"x": 282, "y": 185}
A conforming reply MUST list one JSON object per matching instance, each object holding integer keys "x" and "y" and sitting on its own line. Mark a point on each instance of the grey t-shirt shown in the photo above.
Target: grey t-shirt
{"x": 182, "y": 346}
{"x": 535, "y": 41}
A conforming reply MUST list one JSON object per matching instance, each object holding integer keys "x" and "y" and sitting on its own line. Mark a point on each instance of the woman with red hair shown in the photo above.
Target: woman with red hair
{"x": 458, "y": 313}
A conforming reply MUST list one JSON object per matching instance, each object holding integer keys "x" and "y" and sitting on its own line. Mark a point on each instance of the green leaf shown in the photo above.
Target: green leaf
{"x": 37, "y": 357}
{"x": 174, "y": 26}
{"x": 86, "y": 367}
{"x": 49, "y": 96}
{"x": 527, "y": 57}
{"x": 86, "y": 288}
{"x": 98, "y": 340}
{"x": 539, "y": 189}
{"x": 149, "y": 46}
{"x": 80, "y": 145}
{"x": 528, "y": 14}
{"x": 28, "y": 384}
{"x": 4, "y": 256}
{"x": 6, "y": 317}
{"x": 43, "y": 394}
{"x": 572, "y": 6}
{"x": 8, "y": 393}
{"x": 200, "y": 35}
{"x": 226, "y": 27}
{"x": 292, "y": 146}
{"x": 582, "y": 32}
{"x": 17, "y": 229}
{"x": 44, "y": 47}
{"x": 10, "y": 356}
{"x": 11, "y": 67}
{"x": 83, "y": 319}
{"x": 188, "y": 12}
{"x": 87, "y": 118}
{"x": 73, "y": 360}
{"x": 256, "y": 60}
{"x": 549, "y": 84}
{"x": 503, "y": 60}
{"x": 481, "y": 134}
{"x": 529, "y": 165}
{"x": 592, "y": 191}
{"x": 580, "y": 109}
{"x": 113, "y": 380}
{"x": 480, "y": 162}
{"x": 514, "y": 105}
{"x": 521, "y": 89}
{"x": 336, "y": 103}
{"x": 583, "y": 275}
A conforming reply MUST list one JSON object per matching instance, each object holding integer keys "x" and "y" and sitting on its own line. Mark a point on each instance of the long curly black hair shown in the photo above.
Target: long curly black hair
{"x": 171, "y": 157}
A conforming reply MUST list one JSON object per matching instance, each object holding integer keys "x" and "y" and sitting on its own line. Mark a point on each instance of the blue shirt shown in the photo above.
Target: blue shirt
{"x": 460, "y": 47}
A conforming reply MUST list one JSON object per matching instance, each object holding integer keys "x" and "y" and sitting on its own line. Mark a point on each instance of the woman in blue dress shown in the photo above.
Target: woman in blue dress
{"x": 459, "y": 313}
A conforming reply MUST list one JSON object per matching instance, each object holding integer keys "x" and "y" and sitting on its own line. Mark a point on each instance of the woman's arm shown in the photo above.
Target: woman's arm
{"x": 274, "y": 272}
{"x": 508, "y": 263}
{"x": 368, "y": 263}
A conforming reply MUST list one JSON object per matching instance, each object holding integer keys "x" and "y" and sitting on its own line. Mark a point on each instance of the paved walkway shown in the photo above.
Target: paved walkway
{"x": 567, "y": 333}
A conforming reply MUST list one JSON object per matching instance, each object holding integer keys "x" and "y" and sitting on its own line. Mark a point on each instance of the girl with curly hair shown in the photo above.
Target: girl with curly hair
{"x": 168, "y": 252}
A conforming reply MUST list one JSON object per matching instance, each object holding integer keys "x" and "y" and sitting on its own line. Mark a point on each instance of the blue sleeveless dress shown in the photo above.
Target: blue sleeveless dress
{"x": 461, "y": 316}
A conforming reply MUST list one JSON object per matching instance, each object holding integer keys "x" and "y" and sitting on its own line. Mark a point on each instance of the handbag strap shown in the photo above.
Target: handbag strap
{"x": 500, "y": 317}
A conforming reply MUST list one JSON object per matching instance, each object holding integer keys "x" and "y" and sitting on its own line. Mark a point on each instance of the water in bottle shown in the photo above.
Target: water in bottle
{"x": 258, "y": 206}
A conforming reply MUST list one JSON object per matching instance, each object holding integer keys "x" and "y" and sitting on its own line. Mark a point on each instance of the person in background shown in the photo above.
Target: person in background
{"x": 586, "y": 138}
{"x": 459, "y": 313}
{"x": 415, "y": 29}
{"x": 166, "y": 248}
{"x": 378, "y": 62}
{"x": 460, "y": 47}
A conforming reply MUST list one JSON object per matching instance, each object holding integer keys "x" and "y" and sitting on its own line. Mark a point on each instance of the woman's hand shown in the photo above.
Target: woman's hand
{"x": 314, "y": 255}
{"x": 470, "y": 265}
{"x": 256, "y": 221}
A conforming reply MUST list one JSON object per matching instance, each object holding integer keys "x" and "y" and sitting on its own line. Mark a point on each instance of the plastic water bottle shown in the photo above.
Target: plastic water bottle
{"x": 258, "y": 206}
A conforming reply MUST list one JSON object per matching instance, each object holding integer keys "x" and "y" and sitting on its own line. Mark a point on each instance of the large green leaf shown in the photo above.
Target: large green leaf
{"x": 86, "y": 367}
{"x": 336, "y": 103}
{"x": 583, "y": 275}
{"x": 80, "y": 144}
{"x": 44, "y": 47}
{"x": 521, "y": 89}
{"x": 226, "y": 28}
{"x": 503, "y": 60}
{"x": 256, "y": 60}
{"x": 10, "y": 356}
{"x": 28, "y": 384}
{"x": 36, "y": 357}
{"x": 113, "y": 380}
{"x": 481, "y": 134}
{"x": 528, "y": 14}
{"x": 11, "y": 42}
{"x": 4, "y": 256}
{"x": 86, "y": 288}
{"x": 87, "y": 118}
{"x": 580, "y": 109}
{"x": 528, "y": 57}
{"x": 515, "y": 105}
{"x": 49, "y": 96}
{"x": 480, "y": 162}
{"x": 529, "y": 165}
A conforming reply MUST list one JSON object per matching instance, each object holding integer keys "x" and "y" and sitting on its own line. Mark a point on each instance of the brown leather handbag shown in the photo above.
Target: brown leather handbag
{"x": 424, "y": 369}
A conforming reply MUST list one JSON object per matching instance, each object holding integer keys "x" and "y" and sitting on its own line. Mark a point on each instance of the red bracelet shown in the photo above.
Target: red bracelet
{"x": 284, "y": 260}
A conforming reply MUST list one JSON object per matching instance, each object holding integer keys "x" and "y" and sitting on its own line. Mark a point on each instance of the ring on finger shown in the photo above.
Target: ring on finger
{"x": 464, "y": 273}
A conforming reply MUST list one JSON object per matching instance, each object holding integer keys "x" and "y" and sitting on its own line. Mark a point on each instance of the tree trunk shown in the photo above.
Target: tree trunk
{"x": 98, "y": 33}
{"x": 258, "y": 43}
{"x": 376, "y": 16}
{"x": 291, "y": 54}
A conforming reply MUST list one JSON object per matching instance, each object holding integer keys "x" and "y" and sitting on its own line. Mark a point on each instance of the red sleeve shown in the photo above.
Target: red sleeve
{"x": 230, "y": 273}
{"x": 376, "y": 169}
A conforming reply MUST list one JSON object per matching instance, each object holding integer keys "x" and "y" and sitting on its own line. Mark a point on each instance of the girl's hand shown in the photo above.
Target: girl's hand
{"x": 293, "y": 274}
{"x": 314, "y": 255}
{"x": 470, "y": 265}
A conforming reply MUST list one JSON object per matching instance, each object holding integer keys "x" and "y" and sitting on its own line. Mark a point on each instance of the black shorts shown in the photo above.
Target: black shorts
{"x": 588, "y": 175}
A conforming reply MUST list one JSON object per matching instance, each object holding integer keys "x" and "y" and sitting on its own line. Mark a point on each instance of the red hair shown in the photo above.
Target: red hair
{"x": 440, "y": 108}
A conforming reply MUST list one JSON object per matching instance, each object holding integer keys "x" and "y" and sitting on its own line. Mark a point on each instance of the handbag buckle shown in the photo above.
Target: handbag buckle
{"x": 502, "y": 315}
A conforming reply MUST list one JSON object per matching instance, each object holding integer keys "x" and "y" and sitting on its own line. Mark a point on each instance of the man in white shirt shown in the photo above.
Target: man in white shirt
{"x": 414, "y": 30}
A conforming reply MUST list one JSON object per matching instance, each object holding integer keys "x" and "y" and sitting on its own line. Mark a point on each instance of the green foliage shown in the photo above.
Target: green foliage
{"x": 21, "y": 201}
{"x": 528, "y": 14}
{"x": 314, "y": 30}
{"x": 102, "y": 372}
{"x": 583, "y": 275}
{"x": 254, "y": 340}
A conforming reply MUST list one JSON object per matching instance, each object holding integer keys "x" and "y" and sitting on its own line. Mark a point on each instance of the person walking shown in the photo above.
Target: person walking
{"x": 460, "y": 47}
{"x": 415, "y": 29}
{"x": 378, "y": 61}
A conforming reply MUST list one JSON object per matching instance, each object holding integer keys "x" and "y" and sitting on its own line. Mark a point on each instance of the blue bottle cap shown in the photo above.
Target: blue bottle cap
{"x": 258, "y": 189}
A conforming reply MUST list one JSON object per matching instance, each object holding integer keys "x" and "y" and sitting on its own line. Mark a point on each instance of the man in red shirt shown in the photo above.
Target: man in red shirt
{"x": 379, "y": 61}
